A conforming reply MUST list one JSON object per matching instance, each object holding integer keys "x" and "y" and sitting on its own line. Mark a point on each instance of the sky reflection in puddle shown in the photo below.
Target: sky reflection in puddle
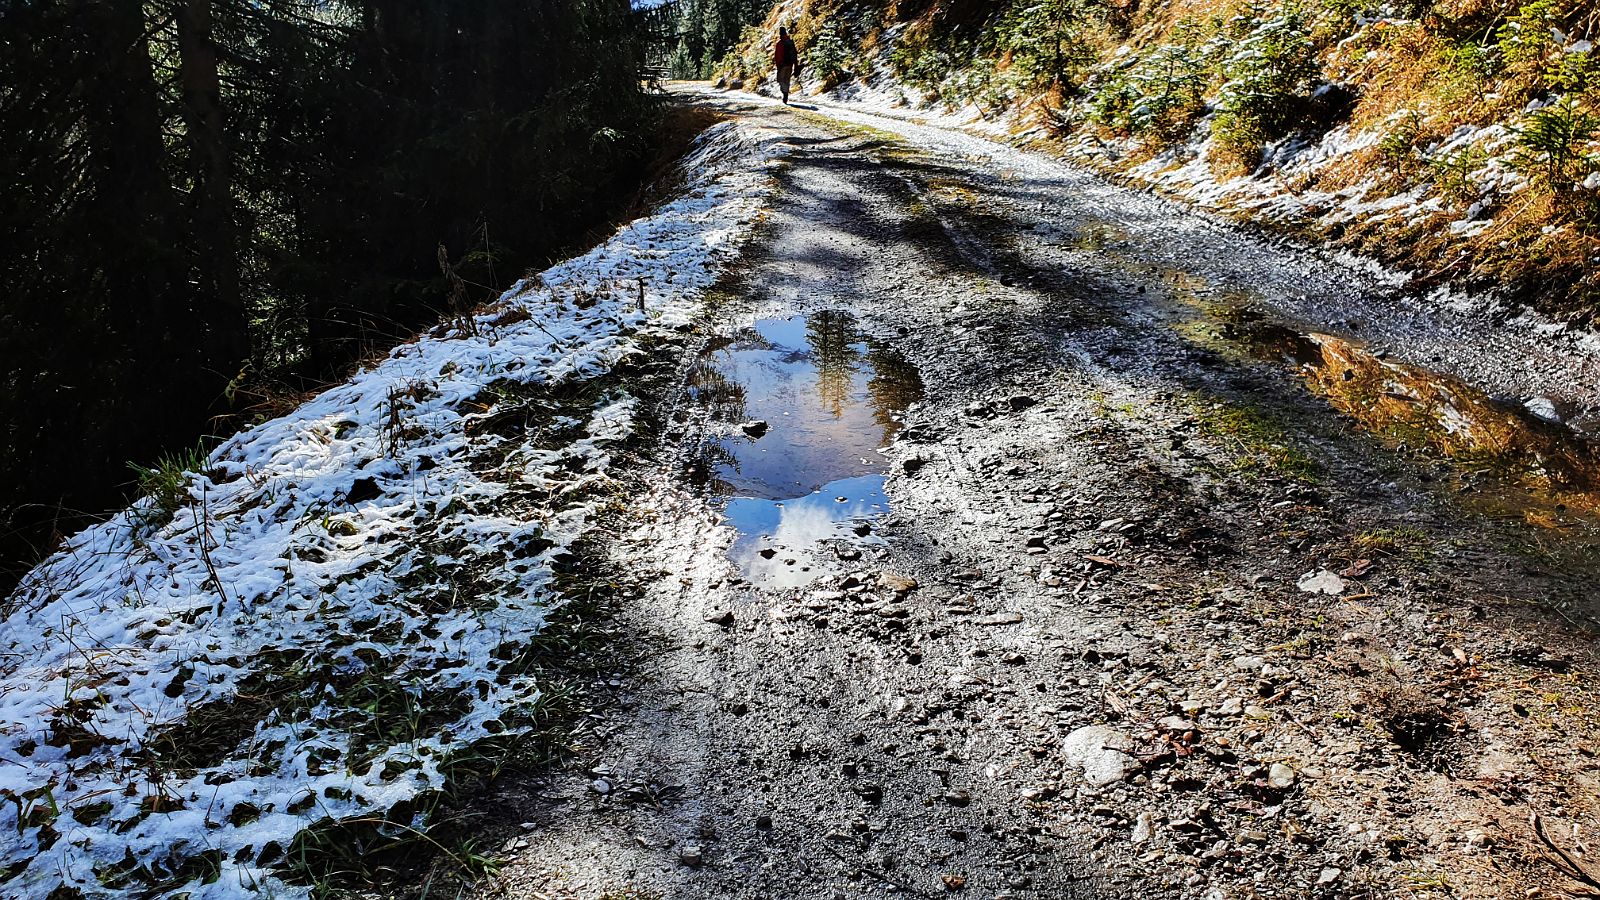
{"x": 785, "y": 543}
{"x": 804, "y": 492}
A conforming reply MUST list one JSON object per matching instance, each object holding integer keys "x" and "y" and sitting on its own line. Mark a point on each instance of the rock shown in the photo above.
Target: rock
{"x": 691, "y": 856}
{"x": 1329, "y": 875}
{"x": 767, "y": 553}
{"x": 1321, "y": 581}
{"x": 1005, "y": 618}
{"x": 362, "y": 490}
{"x": 1249, "y": 663}
{"x": 754, "y": 429}
{"x": 1543, "y": 408}
{"x": 872, "y": 793}
{"x": 1143, "y": 827}
{"x": 736, "y": 84}
{"x": 1021, "y": 402}
{"x": 1280, "y": 777}
{"x": 1176, "y": 724}
{"x": 600, "y": 786}
{"x": 1232, "y": 706}
{"x": 958, "y": 799}
{"x": 900, "y": 584}
{"x": 764, "y": 823}
{"x": 723, "y": 617}
{"x": 1099, "y": 751}
{"x": 911, "y": 464}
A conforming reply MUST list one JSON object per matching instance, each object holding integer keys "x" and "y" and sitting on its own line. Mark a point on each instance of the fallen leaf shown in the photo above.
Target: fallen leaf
{"x": 1357, "y": 569}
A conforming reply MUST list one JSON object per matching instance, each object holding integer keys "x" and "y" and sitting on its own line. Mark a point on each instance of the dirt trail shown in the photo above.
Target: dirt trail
{"x": 1074, "y": 656}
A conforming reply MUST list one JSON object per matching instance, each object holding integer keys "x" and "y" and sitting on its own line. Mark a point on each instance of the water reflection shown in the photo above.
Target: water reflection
{"x": 831, "y": 400}
{"x": 788, "y": 543}
{"x": 1506, "y": 459}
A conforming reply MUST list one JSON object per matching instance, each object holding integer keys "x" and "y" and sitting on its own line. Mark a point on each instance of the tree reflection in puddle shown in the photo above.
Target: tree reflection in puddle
{"x": 809, "y": 486}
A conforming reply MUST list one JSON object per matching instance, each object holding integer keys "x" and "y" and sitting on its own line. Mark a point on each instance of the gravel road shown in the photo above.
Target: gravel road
{"x": 1057, "y": 639}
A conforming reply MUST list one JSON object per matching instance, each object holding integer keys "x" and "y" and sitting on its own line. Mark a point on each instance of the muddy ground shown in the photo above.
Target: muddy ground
{"x": 1058, "y": 640}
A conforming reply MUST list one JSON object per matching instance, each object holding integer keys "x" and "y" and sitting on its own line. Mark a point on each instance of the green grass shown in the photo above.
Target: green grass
{"x": 166, "y": 484}
{"x": 1401, "y": 541}
{"x": 1259, "y": 440}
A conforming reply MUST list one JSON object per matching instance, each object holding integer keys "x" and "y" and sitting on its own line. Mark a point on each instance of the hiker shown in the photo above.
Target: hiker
{"x": 787, "y": 59}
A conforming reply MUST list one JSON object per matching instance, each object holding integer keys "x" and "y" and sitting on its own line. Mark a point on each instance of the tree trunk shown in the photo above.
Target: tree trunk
{"x": 224, "y": 339}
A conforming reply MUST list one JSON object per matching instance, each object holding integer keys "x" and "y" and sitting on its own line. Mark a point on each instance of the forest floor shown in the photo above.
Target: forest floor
{"x": 1012, "y": 534}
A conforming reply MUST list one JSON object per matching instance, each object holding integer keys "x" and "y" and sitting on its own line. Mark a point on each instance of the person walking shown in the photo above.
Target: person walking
{"x": 787, "y": 59}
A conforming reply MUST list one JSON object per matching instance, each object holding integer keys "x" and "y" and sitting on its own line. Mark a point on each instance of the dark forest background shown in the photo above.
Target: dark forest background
{"x": 207, "y": 208}
{"x": 705, "y": 31}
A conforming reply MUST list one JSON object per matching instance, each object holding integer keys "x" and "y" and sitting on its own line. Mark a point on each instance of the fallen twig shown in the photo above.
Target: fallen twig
{"x": 1564, "y": 862}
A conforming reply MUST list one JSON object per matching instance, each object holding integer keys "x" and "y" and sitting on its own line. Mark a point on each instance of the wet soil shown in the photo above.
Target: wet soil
{"x": 1153, "y": 600}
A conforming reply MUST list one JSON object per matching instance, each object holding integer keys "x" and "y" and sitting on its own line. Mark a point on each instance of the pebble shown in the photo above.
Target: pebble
{"x": 1280, "y": 776}
{"x": 900, "y": 584}
{"x": 1321, "y": 581}
{"x": 1005, "y": 618}
{"x": 1099, "y": 751}
{"x": 1143, "y": 827}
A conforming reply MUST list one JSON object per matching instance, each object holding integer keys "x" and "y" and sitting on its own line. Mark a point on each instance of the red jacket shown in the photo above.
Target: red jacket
{"x": 784, "y": 54}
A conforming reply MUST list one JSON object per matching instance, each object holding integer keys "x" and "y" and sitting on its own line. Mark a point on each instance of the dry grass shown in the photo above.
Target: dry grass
{"x": 1415, "y": 83}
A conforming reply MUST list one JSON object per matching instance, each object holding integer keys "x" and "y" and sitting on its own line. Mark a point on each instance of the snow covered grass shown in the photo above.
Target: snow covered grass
{"x": 335, "y": 620}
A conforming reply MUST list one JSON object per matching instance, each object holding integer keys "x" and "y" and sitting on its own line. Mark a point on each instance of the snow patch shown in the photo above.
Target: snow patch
{"x": 213, "y": 687}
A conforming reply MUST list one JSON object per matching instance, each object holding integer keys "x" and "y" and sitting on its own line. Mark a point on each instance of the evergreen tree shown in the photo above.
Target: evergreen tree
{"x": 197, "y": 195}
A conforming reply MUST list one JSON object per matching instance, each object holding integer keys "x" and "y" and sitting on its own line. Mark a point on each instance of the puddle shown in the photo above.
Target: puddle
{"x": 1505, "y": 459}
{"x": 803, "y": 493}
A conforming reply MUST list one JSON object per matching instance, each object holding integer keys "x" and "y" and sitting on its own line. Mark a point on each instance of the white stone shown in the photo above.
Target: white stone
{"x": 1280, "y": 776}
{"x": 1143, "y": 827}
{"x": 1099, "y": 751}
{"x": 1321, "y": 582}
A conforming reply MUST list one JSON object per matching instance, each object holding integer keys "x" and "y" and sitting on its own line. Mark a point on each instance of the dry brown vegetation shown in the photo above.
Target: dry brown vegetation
{"x": 1481, "y": 117}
